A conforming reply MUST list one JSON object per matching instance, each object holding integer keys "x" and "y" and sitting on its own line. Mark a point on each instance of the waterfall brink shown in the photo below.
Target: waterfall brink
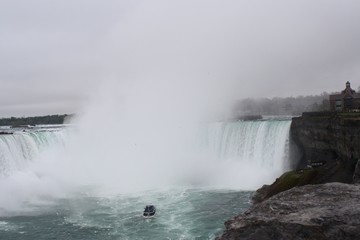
{"x": 263, "y": 143}
{"x": 17, "y": 150}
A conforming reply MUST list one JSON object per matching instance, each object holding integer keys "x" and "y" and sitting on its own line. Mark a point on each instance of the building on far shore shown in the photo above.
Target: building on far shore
{"x": 347, "y": 100}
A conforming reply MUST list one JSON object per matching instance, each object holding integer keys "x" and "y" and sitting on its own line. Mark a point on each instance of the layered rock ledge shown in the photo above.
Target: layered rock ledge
{"x": 323, "y": 211}
{"x": 320, "y": 138}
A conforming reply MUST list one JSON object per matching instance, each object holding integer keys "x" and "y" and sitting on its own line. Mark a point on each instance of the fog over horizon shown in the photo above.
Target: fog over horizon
{"x": 61, "y": 56}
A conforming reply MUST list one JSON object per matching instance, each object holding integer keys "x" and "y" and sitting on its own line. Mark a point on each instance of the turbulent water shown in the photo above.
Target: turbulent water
{"x": 181, "y": 214}
{"x": 42, "y": 201}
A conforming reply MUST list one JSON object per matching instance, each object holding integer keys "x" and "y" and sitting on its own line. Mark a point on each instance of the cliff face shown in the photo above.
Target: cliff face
{"x": 326, "y": 139}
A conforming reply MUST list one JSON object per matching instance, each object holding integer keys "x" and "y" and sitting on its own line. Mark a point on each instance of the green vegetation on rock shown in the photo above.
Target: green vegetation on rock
{"x": 291, "y": 179}
{"x": 331, "y": 172}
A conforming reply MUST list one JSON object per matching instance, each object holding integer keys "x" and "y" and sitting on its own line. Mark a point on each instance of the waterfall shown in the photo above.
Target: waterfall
{"x": 20, "y": 148}
{"x": 263, "y": 143}
{"x": 239, "y": 155}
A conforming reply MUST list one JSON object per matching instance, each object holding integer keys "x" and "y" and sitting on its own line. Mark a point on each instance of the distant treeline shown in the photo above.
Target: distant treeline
{"x": 49, "y": 119}
{"x": 282, "y": 106}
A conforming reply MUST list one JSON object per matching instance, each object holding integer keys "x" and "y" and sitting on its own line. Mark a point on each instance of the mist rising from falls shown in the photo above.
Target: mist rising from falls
{"x": 28, "y": 169}
{"x": 36, "y": 166}
{"x": 142, "y": 136}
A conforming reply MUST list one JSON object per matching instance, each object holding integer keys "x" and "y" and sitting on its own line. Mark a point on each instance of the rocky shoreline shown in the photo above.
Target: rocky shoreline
{"x": 320, "y": 199}
{"x": 324, "y": 211}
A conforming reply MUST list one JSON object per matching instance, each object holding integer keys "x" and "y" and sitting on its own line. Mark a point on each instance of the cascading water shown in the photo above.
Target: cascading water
{"x": 246, "y": 154}
{"x": 232, "y": 150}
{"x": 21, "y": 147}
{"x": 264, "y": 143}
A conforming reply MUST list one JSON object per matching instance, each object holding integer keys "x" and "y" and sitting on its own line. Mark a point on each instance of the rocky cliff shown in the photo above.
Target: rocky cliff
{"x": 325, "y": 148}
{"x": 321, "y": 138}
{"x": 324, "y": 211}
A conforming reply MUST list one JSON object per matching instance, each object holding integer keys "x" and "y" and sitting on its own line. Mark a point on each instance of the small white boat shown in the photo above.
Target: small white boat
{"x": 149, "y": 211}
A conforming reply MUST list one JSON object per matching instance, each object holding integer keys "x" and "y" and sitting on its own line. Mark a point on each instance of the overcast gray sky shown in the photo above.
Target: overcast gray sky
{"x": 56, "y": 54}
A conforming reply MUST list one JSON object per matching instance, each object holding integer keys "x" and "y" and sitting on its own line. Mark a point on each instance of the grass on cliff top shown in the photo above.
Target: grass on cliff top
{"x": 291, "y": 179}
